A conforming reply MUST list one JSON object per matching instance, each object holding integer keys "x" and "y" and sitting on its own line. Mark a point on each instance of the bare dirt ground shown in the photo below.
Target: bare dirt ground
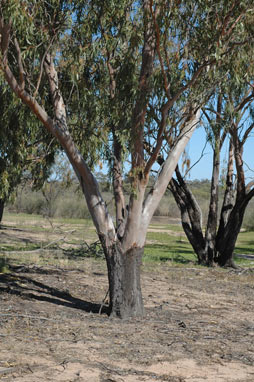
{"x": 199, "y": 325}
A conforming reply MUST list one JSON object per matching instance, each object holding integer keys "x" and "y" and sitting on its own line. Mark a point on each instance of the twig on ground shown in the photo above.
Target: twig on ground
{"x": 102, "y": 304}
{"x": 61, "y": 239}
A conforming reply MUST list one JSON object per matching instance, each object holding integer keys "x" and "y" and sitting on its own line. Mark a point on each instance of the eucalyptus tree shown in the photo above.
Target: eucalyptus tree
{"x": 229, "y": 119}
{"x": 117, "y": 72}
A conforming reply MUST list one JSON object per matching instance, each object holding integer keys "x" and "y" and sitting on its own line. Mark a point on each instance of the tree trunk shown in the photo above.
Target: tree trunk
{"x": 229, "y": 194}
{"x": 123, "y": 245}
{"x": 211, "y": 227}
{"x": 1, "y": 210}
{"x": 191, "y": 215}
{"x": 121, "y": 213}
{"x": 226, "y": 240}
{"x": 125, "y": 297}
{"x": 225, "y": 244}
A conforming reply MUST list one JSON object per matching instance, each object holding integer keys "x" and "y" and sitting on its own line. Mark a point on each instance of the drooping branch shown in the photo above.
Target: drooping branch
{"x": 95, "y": 203}
{"x": 58, "y": 128}
{"x": 158, "y": 38}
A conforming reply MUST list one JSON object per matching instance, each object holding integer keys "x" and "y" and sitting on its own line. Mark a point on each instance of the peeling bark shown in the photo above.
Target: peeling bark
{"x": 121, "y": 212}
{"x": 191, "y": 215}
{"x": 225, "y": 244}
{"x": 125, "y": 297}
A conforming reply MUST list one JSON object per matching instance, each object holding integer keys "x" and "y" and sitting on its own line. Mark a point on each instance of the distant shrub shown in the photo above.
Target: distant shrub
{"x": 30, "y": 203}
{"x": 72, "y": 208}
{"x": 167, "y": 207}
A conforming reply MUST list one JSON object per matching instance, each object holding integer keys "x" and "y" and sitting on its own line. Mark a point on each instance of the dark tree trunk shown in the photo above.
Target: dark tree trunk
{"x": 228, "y": 232}
{"x": 217, "y": 246}
{"x": 225, "y": 244}
{"x": 229, "y": 195}
{"x": 1, "y": 210}
{"x": 125, "y": 297}
{"x": 211, "y": 228}
{"x": 191, "y": 215}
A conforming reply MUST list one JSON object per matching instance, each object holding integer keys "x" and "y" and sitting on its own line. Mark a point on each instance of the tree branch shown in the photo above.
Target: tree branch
{"x": 41, "y": 67}
{"x": 247, "y": 132}
{"x": 140, "y": 107}
{"x": 20, "y": 65}
{"x": 159, "y": 138}
{"x": 5, "y": 31}
{"x": 167, "y": 169}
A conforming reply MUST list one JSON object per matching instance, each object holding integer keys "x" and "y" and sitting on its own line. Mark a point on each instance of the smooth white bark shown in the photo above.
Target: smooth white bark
{"x": 153, "y": 198}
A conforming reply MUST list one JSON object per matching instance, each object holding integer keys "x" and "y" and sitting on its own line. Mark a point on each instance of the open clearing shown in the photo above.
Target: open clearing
{"x": 199, "y": 323}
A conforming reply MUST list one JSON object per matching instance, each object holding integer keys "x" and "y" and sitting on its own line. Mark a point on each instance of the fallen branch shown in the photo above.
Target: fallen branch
{"x": 8, "y": 370}
{"x": 27, "y": 316}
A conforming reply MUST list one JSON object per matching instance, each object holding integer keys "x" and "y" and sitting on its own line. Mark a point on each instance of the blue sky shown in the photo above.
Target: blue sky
{"x": 203, "y": 169}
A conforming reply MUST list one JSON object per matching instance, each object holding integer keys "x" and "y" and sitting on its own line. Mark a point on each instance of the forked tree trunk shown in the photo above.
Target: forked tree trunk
{"x": 123, "y": 248}
{"x": 228, "y": 233}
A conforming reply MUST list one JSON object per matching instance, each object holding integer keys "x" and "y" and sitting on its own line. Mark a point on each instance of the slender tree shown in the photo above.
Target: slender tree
{"x": 137, "y": 63}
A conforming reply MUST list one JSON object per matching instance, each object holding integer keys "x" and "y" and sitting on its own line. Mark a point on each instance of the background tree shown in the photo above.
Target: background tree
{"x": 230, "y": 116}
{"x": 173, "y": 52}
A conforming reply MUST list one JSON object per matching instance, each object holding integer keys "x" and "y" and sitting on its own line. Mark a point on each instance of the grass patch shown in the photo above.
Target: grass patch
{"x": 82, "y": 222}
{"x": 177, "y": 255}
{"x": 242, "y": 262}
{"x": 18, "y": 247}
{"x": 245, "y": 243}
{"x": 166, "y": 247}
{"x": 170, "y": 246}
{"x": 22, "y": 217}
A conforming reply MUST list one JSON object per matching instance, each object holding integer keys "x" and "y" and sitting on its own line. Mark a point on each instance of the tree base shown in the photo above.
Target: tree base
{"x": 124, "y": 282}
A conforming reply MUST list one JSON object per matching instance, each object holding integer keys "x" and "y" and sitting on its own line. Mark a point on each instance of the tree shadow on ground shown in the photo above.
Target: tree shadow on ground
{"x": 16, "y": 235}
{"x": 25, "y": 286}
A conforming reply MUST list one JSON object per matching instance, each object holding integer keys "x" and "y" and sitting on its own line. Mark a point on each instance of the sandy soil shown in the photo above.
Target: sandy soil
{"x": 199, "y": 326}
